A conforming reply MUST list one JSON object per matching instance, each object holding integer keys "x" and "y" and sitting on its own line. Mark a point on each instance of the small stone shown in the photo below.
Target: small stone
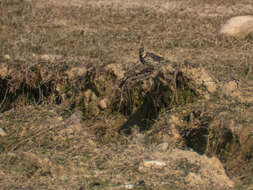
{"x": 239, "y": 26}
{"x": 129, "y": 186}
{"x": 87, "y": 95}
{"x": 162, "y": 147}
{"x": 50, "y": 57}
{"x": 103, "y": 104}
{"x": 2, "y": 132}
{"x": 45, "y": 57}
{"x": 7, "y": 57}
{"x": 60, "y": 118}
{"x": 154, "y": 163}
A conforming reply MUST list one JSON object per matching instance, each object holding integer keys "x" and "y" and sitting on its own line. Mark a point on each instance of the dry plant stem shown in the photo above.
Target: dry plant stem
{"x": 3, "y": 101}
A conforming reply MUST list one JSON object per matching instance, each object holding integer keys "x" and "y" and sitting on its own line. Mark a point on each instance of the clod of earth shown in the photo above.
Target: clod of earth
{"x": 2, "y": 132}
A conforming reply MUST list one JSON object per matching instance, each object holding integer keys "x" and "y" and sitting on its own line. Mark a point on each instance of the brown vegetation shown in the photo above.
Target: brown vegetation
{"x": 81, "y": 111}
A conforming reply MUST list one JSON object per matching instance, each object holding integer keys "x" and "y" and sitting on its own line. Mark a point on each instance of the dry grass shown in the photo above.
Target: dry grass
{"x": 41, "y": 151}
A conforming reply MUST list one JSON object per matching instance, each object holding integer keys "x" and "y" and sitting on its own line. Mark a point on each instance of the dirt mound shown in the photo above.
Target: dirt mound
{"x": 135, "y": 90}
{"x": 81, "y": 108}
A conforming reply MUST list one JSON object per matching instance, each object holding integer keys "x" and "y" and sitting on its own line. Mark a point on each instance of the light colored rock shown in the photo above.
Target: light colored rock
{"x": 162, "y": 147}
{"x": 50, "y": 57}
{"x": 129, "y": 186}
{"x": 103, "y": 104}
{"x": 7, "y": 57}
{"x": 154, "y": 163}
{"x": 239, "y": 26}
{"x": 45, "y": 57}
{"x": 2, "y": 132}
{"x": 88, "y": 95}
{"x": 60, "y": 118}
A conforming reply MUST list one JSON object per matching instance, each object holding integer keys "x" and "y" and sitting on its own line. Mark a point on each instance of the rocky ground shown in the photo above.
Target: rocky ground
{"x": 83, "y": 108}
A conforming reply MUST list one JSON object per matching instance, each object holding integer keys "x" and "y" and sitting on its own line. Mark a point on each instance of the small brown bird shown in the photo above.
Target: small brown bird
{"x": 148, "y": 58}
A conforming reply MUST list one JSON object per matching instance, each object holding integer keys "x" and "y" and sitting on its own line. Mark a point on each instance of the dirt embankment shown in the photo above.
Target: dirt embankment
{"x": 85, "y": 107}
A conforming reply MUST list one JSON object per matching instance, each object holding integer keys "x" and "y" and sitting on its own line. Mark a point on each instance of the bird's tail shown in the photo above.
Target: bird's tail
{"x": 142, "y": 54}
